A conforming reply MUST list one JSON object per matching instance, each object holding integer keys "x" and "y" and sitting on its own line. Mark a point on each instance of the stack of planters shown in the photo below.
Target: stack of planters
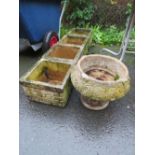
{"x": 48, "y": 81}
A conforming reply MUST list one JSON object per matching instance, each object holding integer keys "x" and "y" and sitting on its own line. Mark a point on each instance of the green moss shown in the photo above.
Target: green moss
{"x": 116, "y": 77}
{"x": 97, "y": 91}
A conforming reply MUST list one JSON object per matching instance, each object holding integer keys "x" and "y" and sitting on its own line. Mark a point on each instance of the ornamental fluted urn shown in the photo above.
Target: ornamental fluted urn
{"x": 100, "y": 79}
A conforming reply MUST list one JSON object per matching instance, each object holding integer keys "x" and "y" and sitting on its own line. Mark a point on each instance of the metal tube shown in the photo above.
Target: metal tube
{"x": 125, "y": 41}
{"x": 61, "y": 16}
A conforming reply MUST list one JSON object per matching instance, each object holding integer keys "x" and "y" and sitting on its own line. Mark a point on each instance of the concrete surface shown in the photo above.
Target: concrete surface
{"x": 75, "y": 130}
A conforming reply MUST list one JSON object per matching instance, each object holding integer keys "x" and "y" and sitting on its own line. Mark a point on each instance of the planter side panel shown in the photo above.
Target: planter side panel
{"x": 49, "y": 97}
{"x": 96, "y": 91}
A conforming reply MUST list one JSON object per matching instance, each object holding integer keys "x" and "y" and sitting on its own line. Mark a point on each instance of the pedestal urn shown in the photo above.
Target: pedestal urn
{"x": 100, "y": 79}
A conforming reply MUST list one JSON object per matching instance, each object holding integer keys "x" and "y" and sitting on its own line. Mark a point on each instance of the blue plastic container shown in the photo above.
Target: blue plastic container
{"x": 37, "y": 17}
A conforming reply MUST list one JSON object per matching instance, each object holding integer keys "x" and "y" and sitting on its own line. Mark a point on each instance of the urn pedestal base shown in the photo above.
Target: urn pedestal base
{"x": 93, "y": 104}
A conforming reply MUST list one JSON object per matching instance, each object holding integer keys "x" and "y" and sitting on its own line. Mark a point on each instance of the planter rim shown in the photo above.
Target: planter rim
{"x": 64, "y": 60}
{"x": 74, "y": 36}
{"x": 23, "y": 79}
{"x": 84, "y": 75}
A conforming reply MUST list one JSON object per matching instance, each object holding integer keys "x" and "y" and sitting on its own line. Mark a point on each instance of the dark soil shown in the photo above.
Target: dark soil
{"x": 64, "y": 52}
{"x": 101, "y": 74}
{"x": 52, "y": 77}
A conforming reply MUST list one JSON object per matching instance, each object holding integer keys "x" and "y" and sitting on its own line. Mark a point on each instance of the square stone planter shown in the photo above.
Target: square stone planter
{"x": 48, "y": 82}
{"x": 81, "y": 32}
{"x": 79, "y": 40}
{"x": 64, "y": 53}
{"x": 74, "y": 40}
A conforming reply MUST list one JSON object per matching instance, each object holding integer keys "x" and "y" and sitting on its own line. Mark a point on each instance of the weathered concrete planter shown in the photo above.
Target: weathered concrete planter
{"x": 78, "y": 40}
{"x": 81, "y": 32}
{"x": 48, "y": 82}
{"x": 100, "y": 79}
{"x": 64, "y": 53}
{"x": 74, "y": 40}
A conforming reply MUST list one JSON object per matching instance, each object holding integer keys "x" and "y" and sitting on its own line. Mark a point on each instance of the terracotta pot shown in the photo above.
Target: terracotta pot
{"x": 100, "y": 79}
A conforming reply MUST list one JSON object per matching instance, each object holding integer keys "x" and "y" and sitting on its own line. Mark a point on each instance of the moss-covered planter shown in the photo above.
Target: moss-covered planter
{"x": 48, "y": 82}
{"x": 64, "y": 53}
{"x": 74, "y": 40}
{"x": 81, "y": 32}
{"x": 78, "y": 37}
{"x": 49, "y": 79}
{"x": 100, "y": 79}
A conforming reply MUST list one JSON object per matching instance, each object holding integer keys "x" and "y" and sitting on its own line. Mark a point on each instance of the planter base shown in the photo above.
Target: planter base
{"x": 93, "y": 104}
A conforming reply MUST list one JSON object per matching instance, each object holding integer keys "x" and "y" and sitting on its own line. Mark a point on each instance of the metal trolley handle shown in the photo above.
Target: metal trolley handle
{"x": 125, "y": 41}
{"x": 65, "y": 3}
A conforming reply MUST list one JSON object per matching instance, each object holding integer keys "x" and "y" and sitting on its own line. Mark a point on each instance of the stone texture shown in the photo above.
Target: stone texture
{"x": 100, "y": 90}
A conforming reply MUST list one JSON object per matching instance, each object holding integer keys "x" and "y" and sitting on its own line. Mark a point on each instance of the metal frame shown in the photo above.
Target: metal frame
{"x": 61, "y": 16}
{"x": 125, "y": 41}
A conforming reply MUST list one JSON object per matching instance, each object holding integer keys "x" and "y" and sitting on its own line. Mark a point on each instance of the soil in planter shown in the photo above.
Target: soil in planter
{"x": 102, "y": 74}
{"x": 76, "y": 41}
{"x": 64, "y": 52}
{"x": 52, "y": 77}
